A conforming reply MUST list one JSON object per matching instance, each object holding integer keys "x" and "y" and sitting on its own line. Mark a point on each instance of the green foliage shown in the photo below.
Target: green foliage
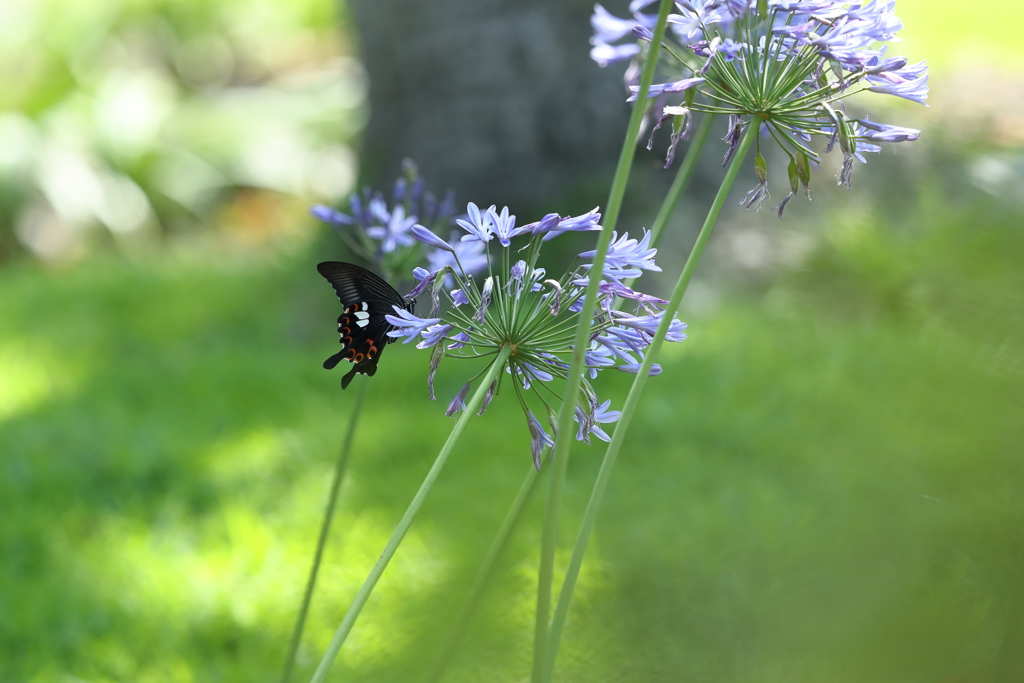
{"x": 835, "y": 464}
{"x": 128, "y": 121}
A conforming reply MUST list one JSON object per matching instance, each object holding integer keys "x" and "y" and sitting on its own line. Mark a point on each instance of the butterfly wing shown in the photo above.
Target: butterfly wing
{"x": 367, "y": 298}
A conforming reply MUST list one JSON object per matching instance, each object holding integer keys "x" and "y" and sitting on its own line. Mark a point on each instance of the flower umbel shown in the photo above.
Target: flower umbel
{"x": 520, "y": 307}
{"x": 784, "y": 65}
{"x": 389, "y": 235}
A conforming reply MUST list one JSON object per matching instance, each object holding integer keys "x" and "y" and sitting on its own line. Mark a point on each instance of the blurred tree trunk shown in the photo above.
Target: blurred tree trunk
{"x": 497, "y": 100}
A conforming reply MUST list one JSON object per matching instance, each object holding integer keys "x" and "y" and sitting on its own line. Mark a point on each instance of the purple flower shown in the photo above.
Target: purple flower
{"x": 607, "y": 27}
{"x": 881, "y": 132}
{"x": 725, "y": 11}
{"x": 395, "y": 232}
{"x": 781, "y": 206}
{"x": 624, "y": 344}
{"x": 646, "y": 19}
{"x": 865, "y": 147}
{"x": 503, "y": 224}
{"x": 605, "y": 54}
{"x": 534, "y": 315}
{"x": 478, "y": 226}
{"x": 425, "y": 277}
{"x": 434, "y": 334}
{"x": 536, "y": 276}
{"x": 732, "y": 138}
{"x": 643, "y": 33}
{"x": 730, "y": 49}
{"x": 910, "y": 83}
{"x": 626, "y": 257}
{"x": 329, "y": 215}
{"x": 874, "y": 21}
{"x": 785, "y": 64}
{"x": 664, "y": 88}
{"x": 427, "y": 237}
{"x": 599, "y": 356}
{"x": 616, "y": 289}
{"x": 459, "y": 340}
{"x": 458, "y": 403}
{"x": 634, "y": 369}
{"x": 485, "y": 299}
{"x": 712, "y": 50}
{"x": 549, "y": 222}
{"x": 876, "y": 66}
{"x": 802, "y": 6}
{"x": 488, "y": 396}
{"x": 601, "y": 415}
{"x": 470, "y": 255}
{"x": 530, "y": 373}
{"x": 698, "y": 13}
{"x": 555, "y": 297}
{"x": 649, "y": 324}
{"x": 756, "y": 196}
{"x": 620, "y": 290}
{"x": 408, "y": 324}
{"x": 582, "y": 223}
{"x": 539, "y": 439}
{"x": 435, "y": 361}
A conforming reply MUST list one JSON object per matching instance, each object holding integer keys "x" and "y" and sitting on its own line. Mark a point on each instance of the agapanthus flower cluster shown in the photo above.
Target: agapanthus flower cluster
{"x": 785, "y": 65}
{"x": 381, "y": 233}
{"x": 519, "y": 305}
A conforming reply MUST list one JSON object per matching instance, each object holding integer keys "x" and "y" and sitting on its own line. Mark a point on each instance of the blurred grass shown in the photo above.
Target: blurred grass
{"x": 951, "y": 35}
{"x": 824, "y": 485}
{"x": 129, "y": 123}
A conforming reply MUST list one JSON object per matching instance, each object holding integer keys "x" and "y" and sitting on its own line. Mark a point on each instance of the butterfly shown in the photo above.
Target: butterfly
{"x": 367, "y": 298}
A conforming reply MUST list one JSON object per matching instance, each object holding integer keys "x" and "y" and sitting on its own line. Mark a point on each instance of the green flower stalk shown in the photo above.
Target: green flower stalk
{"x": 340, "y": 467}
{"x": 476, "y": 591}
{"x": 457, "y": 631}
{"x": 632, "y": 400}
{"x": 561, "y": 448}
{"x": 772, "y": 66}
{"x": 489, "y": 375}
{"x": 376, "y": 232}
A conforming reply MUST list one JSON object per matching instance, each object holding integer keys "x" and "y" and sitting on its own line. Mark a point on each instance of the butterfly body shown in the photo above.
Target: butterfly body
{"x": 363, "y": 330}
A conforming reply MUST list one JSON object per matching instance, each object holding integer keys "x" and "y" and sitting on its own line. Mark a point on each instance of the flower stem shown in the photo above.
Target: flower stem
{"x": 325, "y": 527}
{"x": 564, "y": 433}
{"x": 483, "y": 576}
{"x": 403, "y": 526}
{"x": 590, "y": 516}
{"x": 682, "y": 177}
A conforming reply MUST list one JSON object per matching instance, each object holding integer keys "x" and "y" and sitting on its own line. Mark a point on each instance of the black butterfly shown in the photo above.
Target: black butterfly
{"x": 367, "y": 298}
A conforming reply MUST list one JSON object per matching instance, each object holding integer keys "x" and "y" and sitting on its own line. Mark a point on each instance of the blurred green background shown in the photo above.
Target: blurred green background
{"x": 825, "y": 484}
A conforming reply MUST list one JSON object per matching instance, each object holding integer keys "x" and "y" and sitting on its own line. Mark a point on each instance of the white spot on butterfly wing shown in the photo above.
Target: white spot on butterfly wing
{"x": 362, "y": 315}
{"x": 362, "y": 323}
